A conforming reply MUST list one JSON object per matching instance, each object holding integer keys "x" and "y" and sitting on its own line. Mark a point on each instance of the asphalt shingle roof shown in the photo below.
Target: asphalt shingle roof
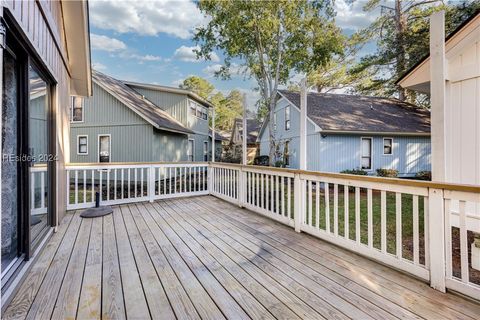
{"x": 352, "y": 113}
{"x": 142, "y": 106}
{"x": 253, "y": 129}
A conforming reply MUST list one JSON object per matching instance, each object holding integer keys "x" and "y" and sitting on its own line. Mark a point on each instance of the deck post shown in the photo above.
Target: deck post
{"x": 436, "y": 234}
{"x": 151, "y": 183}
{"x": 299, "y": 208}
{"x": 242, "y": 187}
{"x": 437, "y": 89}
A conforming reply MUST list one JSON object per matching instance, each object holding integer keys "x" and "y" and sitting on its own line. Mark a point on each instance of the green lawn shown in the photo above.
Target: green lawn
{"x": 407, "y": 217}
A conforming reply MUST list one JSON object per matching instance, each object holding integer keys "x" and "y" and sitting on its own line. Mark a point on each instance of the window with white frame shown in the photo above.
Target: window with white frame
{"x": 76, "y": 109}
{"x": 104, "y": 148}
{"x": 274, "y": 121}
{"x": 82, "y": 145}
{"x": 387, "y": 146}
{"x": 287, "y": 118}
{"x": 286, "y": 153}
{"x": 198, "y": 110}
{"x": 366, "y": 153}
{"x": 190, "y": 150}
{"x": 205, "y": 151}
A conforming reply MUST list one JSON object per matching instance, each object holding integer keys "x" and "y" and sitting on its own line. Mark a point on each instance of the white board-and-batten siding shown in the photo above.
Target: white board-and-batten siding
{"x": 462, "y": 116}
{"x": 338, "y": 152}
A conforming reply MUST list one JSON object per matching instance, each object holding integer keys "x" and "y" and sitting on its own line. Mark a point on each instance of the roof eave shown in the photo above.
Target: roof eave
{"x": 377, "y": 133}
{"x": 77, "y": 34}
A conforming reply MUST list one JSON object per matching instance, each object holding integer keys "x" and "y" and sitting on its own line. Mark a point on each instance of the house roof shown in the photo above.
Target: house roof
{"x": 423, "y": 60}
{"x": 253, "y": 129}
{"x": 218, "y": 135}
{"x": 189, "y": 93}
{"x": 141, "y": 106}
{"x": 362, "y": 114}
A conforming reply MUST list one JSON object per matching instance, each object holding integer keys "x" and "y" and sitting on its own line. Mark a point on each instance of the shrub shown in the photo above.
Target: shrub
{"x": 358, "y": 172}
{"x": 261, "y": 161}
{"x": 424, "y": 175}
{"x": 389, "y": 173}
{"x": 279, "y": 164}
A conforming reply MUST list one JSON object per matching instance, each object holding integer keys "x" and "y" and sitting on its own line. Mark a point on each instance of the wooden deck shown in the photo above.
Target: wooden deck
{"x": 204, "y": 258}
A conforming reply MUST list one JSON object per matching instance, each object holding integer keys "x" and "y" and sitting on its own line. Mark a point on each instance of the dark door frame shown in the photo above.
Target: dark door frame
{"x": 26, "y": 55}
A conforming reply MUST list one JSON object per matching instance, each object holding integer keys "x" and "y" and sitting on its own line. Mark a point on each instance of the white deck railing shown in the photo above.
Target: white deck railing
{"x": 422, "y": 228}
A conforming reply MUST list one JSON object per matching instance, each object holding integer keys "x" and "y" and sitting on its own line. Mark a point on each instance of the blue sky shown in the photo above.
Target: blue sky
{"x": 150, "y": 41}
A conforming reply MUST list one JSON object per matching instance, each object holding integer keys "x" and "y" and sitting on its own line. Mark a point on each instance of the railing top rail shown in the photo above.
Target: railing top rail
{"x": 380, "y": 180}
{"x": 108, "y": 164}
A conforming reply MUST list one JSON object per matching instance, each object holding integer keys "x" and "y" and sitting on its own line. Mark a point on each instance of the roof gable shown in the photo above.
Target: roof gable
{"x": 143, "y": 107}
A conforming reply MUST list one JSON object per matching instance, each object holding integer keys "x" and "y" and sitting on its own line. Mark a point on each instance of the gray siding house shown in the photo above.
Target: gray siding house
{"x": 131, "y": 122}
{"x": 347, "y": 132}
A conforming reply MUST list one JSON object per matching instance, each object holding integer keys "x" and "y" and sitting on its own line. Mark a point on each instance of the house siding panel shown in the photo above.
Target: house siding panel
{"x": 169, "y": 147}
{"x": 129, "y": 143}
{"x": 173, "y": 103}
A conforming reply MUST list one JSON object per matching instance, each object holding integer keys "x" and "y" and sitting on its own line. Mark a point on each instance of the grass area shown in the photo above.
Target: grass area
{"x": 406, "y": 217}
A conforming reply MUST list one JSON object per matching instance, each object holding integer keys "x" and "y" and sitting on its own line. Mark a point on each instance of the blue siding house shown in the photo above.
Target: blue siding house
{"x": 347, "y": 132}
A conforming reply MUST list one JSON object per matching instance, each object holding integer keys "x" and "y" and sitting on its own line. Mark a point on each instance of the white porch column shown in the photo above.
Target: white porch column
{"x": 437, "y": 89}
{"x": 244, "y": 127}
{"x": 303, "y": 125}
{"x": 213, "y": 135}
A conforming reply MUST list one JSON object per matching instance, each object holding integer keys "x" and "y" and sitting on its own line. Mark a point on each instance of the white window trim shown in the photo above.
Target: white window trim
{"x": 71, "y": 109}
{"x": 78, "y": 145}
{"x": 109, "y": 144}
{"x": 383, "y": 146}
{"x": 203, "y": 109}
{"x": 193, "y": 150}
{"x": 371, "y": 153}
{"x": 289, "y": 118}
{"x": 275, "y": 122}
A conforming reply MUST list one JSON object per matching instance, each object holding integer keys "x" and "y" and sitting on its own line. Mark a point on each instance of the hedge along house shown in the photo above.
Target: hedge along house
{"x": 346, "y": 132}
{"x": 124, "y": 123}
{"x": 45, "y": 51}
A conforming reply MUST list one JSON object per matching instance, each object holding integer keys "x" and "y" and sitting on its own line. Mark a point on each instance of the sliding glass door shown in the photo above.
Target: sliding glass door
{"x": 28, "y": 158}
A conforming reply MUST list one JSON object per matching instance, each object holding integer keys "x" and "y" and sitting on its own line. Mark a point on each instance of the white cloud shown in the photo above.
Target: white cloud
{"x": 235, "y": 69}
{"x": 105, "y": 43}
{"x": 98, "y": 66}
{"x": 188, "y": 54}
{"x": 352, "y": 16}
{"x": 176, "y": 18}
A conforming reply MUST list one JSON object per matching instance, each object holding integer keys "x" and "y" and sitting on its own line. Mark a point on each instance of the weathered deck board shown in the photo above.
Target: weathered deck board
{"x": 204, "y": 258}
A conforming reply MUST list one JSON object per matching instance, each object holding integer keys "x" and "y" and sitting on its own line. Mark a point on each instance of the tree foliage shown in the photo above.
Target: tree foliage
{"x": 271, "y": 40}
{"x": 227, "y": 108}
{"x": 401, "y": 34}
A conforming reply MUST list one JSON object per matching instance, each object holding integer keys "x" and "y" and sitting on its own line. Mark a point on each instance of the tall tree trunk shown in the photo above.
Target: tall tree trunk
{"x": 400, "y": 28}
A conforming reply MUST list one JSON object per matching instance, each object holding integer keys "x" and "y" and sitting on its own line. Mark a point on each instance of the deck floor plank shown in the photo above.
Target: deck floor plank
{"x": 181, "y": 304}
{"x": 69, "y": 294}
{"x": 203, "y": 303}
{"x": 217, "y": 292}
{"x": 112, "y": 299}
{"x": 46, "y": 297}
{"x": 22, "y": 301}
{"x": 338, "y": 296}
{"x": 258, "y": 229}
{"x": 204, "y": 258}
{"x": 133, "y": 295}
{"x": 89, "y": 306}
{"x": 235, "y": 286}
{"x": 154, "y": 292}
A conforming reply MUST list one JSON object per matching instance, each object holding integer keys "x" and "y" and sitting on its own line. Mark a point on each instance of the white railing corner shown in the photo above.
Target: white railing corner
{"x": 436, "y": 230}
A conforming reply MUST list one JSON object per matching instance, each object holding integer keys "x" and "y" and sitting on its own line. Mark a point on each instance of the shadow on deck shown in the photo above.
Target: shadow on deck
{"x": 201, "y": 257}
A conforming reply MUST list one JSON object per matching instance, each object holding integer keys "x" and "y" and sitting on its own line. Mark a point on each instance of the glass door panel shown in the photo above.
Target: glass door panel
{"x": 38, "y": 150}
{"x": 10, "y": 167}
